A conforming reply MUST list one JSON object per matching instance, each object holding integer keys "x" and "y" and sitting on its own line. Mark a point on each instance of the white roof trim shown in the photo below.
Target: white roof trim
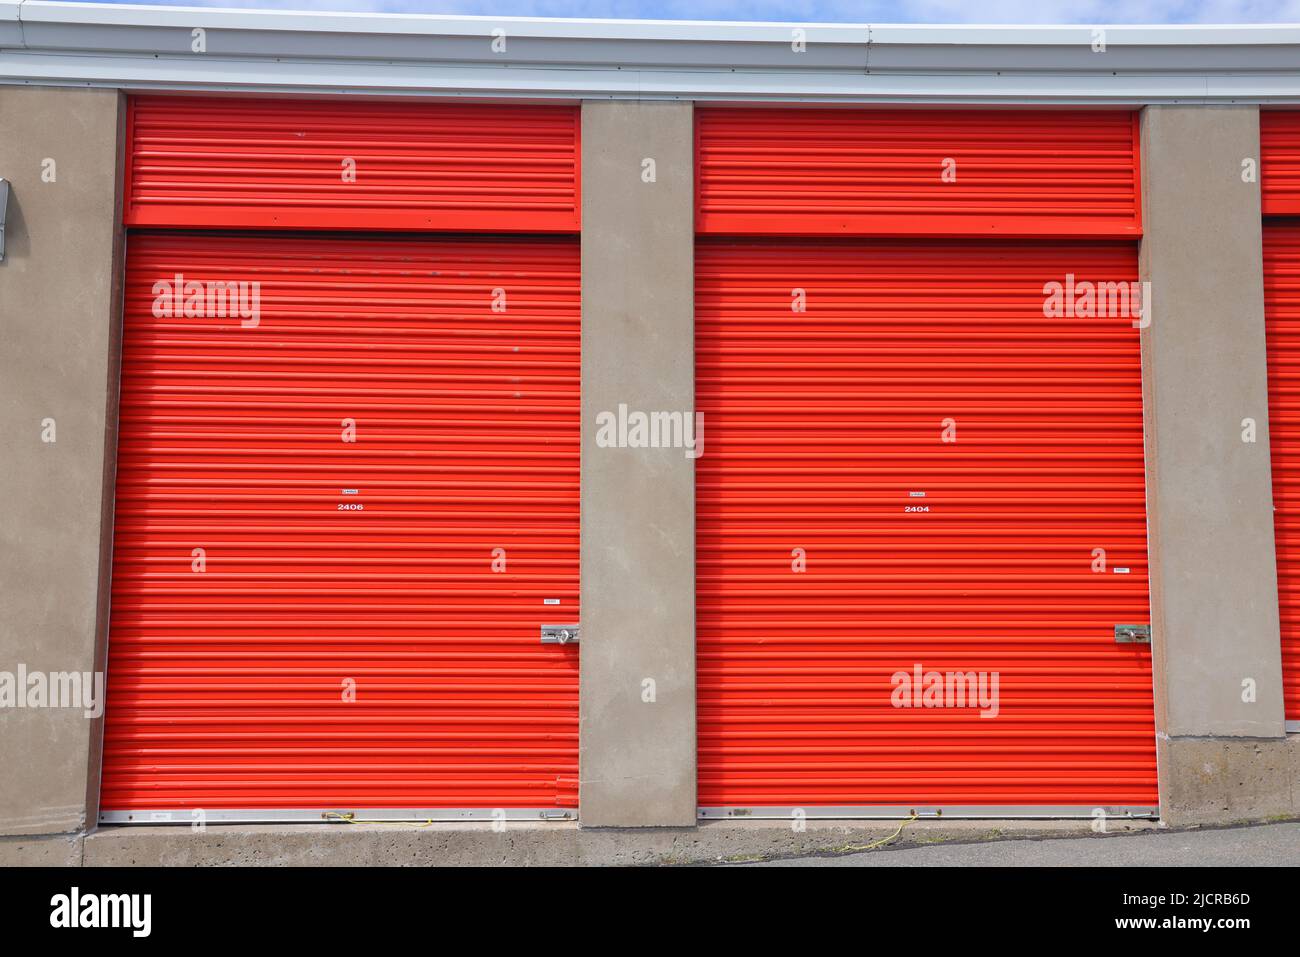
{"x": 149, "y": 47}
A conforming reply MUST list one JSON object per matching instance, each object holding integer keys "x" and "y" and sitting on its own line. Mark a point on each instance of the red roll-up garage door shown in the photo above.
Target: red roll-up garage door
{"x": 911, "y": 471}
{"x": 343, "y": 514}
{"x": 1282, "y": 324}
{"x": 1279, "y": 135}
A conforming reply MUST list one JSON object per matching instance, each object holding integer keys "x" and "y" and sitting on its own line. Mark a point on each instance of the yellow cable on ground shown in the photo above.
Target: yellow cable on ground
{"x": 873, "y": 846}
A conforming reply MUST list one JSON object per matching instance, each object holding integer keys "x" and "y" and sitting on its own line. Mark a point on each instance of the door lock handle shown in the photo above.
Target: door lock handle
{"x": 559, "y": 634}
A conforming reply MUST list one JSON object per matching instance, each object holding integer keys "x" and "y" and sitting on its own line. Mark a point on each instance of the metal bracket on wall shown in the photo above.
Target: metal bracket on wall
{"x": 559, "y": 634}
{"x": 1133, "y": 634}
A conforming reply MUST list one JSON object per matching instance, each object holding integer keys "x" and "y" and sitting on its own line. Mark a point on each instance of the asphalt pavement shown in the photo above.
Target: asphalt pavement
{"x": 1260, "y": 845}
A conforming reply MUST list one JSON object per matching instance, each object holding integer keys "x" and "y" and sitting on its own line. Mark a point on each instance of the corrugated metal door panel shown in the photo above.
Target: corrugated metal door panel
{"x": 1007, "y": 173}
{"x": 1282, "y": 326}
{"x": 197, "y": 161}
{"x": 824, "y": 430}
{"x": 1279, "y": 155}
{"x": 329, "y": 561}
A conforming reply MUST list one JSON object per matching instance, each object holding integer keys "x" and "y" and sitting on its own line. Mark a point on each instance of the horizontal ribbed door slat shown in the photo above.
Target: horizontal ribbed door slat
{"x": 1282, "y": 327}
{"x": 227, "y": 676}
{"x": 864, "y": 172}
{"x": 825, "y": 430}
{"x": 203, "y": 161}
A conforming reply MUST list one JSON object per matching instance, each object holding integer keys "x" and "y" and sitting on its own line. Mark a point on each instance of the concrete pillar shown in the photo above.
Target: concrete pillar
{"x": 638, "y": 504}
{"x": 59, "y": 329}
{"x": 1222, "y": 752}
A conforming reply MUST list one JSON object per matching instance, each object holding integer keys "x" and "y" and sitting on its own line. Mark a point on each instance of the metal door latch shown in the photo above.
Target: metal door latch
{"x": 1133, "y": 634}
{"x": 559, "y": 634}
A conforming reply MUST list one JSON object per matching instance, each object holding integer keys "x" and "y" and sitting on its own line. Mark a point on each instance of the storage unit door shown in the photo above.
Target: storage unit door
{"x": 1282, "y": 326}
{"x": 347, "y": 501}
{"x": 921, "y": 524}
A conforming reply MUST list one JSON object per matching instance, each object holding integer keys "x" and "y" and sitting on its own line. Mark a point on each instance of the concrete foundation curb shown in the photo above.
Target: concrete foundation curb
{"x": 476, "y": 844}
{"x": 43, "y": 850}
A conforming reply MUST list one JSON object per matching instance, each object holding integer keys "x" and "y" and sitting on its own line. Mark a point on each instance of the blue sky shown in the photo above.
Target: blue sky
{"x": 828, "y": 11}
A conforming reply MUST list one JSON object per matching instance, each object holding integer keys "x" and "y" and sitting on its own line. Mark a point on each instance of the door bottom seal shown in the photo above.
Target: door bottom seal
{"x": 929, "y": 812}
{"x": 335, "y": 815}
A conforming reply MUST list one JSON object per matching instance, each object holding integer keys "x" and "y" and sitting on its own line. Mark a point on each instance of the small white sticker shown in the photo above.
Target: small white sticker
{"x": 1121, "y": 571}
{"x": 550, "y": 601}
{"x": 348, "y": 491}
{"x": 916, "y": 494}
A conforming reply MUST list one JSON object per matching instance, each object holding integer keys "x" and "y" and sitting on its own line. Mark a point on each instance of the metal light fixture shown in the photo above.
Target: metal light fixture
{"x": 4, "y": 207}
